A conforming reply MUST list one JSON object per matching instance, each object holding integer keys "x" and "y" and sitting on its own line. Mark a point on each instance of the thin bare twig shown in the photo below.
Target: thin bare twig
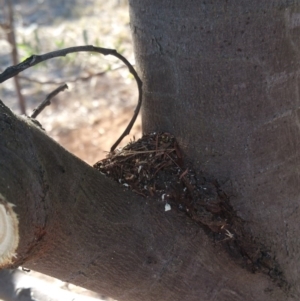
{"x": 35, "y": 59}
{"x": 47, "y": 101}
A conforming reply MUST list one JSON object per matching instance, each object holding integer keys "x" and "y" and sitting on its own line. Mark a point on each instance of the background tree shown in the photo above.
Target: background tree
{"x": 223, "y": 78}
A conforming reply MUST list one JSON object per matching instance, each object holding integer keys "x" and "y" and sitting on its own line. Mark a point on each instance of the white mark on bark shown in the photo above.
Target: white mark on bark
{"x": 167, "y": 207}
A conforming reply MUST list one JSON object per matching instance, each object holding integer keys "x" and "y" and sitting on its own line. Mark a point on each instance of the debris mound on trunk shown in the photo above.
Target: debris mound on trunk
{"x": 153, "y": 168}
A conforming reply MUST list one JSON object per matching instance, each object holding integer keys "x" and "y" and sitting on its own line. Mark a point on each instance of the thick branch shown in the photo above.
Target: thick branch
{"x": 77, "y": 225}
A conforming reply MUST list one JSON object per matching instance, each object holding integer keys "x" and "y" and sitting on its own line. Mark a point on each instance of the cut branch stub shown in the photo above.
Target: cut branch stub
{"x": 9, "y": 232}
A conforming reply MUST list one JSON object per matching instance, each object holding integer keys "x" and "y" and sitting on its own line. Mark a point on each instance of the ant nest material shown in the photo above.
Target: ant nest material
{"x": 153, "y": 167}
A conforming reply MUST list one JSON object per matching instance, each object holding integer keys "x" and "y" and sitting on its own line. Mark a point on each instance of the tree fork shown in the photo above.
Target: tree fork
{"x": 79, "y": 226}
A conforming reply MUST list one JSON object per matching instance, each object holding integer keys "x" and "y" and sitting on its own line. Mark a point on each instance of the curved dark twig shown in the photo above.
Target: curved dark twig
{"x": 36, "y": 59}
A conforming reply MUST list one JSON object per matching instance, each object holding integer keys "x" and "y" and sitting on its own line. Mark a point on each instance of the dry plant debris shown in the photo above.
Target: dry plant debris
{"x": 153, "y": 167}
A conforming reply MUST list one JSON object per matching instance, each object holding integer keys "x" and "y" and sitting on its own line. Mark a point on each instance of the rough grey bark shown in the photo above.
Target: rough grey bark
{"x": 223, "y": 77}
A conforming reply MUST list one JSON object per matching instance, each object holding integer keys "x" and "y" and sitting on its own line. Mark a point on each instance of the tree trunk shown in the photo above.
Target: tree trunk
{"x": 223, "y": 77}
